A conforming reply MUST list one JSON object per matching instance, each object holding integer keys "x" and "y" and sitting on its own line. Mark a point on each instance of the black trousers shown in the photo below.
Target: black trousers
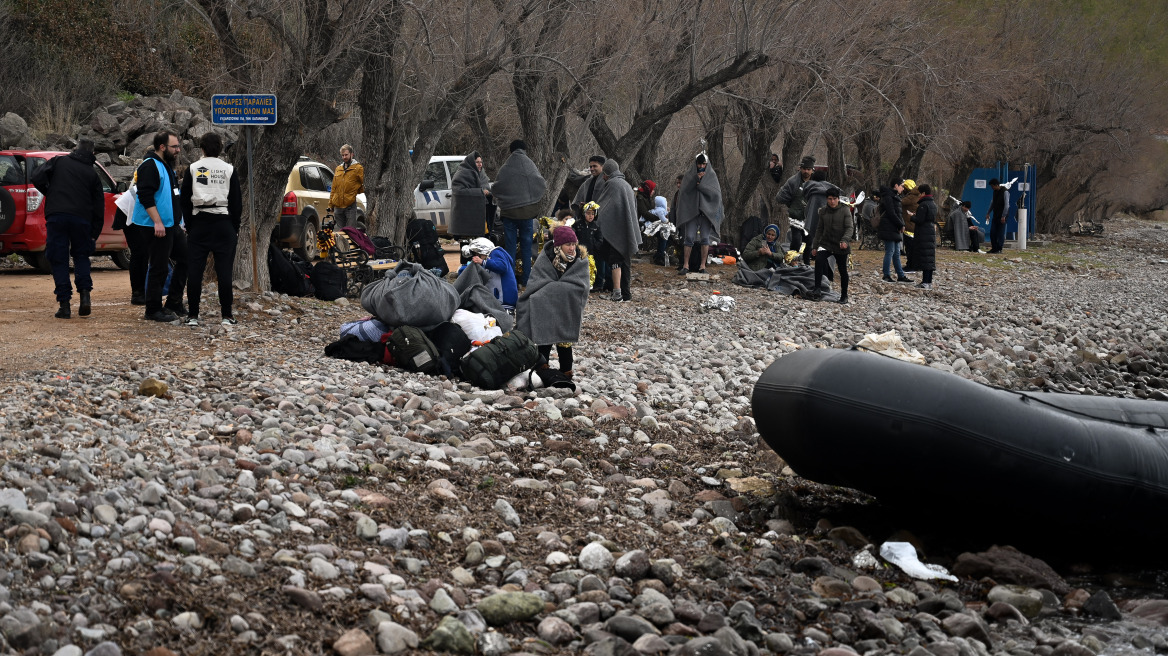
{"x": 162, "y": 250}
{"x": 212, "y": 234}
{"x": 997, "y": 235}
{"x": 138, "y": 241}
{"x": 822, "y": 268}
{"x": 927, "y": 276}
{"x": 68, "y": 235}
{"x": 614, "y": 260}
{"x": 563, "y": 353}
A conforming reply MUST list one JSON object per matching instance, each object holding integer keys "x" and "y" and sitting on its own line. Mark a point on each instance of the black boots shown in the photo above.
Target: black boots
{"x": 85, "y": 309}
{"x": 63, "y": 312}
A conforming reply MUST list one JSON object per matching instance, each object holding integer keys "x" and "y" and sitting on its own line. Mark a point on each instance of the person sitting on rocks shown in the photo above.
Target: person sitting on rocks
{"x": 551, "y": 309}
{"x": 499, "y": 266}
{"x": 764, "y": 250}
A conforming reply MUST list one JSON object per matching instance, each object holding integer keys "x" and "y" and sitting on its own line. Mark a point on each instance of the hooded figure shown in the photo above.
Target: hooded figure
{"x": 499, "y": 267}
{"x": 468, "y": 202}
{"x": 815, "y": 192}
{"x": 767, "y": 241}
{"x": 699, "y": 210}
{"x": 618, "y": 223}
{"x": 519, "y": 185}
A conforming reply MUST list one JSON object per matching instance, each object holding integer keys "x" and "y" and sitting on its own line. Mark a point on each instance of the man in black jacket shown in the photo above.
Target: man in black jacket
{"x": 891, "y": 229}
{"x": 74, "y": 216}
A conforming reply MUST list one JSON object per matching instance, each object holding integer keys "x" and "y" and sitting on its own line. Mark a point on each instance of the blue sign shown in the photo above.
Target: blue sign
{"x": 243, "y": 109}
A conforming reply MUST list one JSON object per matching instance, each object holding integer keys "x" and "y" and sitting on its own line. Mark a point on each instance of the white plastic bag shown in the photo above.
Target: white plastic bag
{"x": 904, "y": 556}
{"x": 719, "y": 302}
{"x": 478, "y": 327}
{"x": 890, "y": 344}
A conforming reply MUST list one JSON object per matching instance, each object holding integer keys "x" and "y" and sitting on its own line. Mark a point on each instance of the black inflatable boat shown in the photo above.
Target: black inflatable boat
{"x": 915, "y": 437}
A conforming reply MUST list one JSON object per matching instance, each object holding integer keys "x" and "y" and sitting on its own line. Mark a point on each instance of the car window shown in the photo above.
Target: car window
{"x": 436, "y": 171}
{"x": 326, "y": 177}
{"x": 310, "y": 178}
{"x": 32, "y": 164}
{"x": 107, "y": 185}
{"x": 11, "y": 171}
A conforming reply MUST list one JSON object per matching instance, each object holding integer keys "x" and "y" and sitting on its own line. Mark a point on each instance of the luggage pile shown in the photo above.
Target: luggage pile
{"x": 420, "y": 322}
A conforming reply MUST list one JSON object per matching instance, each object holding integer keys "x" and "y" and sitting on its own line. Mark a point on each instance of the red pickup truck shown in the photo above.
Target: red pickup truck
{"x": 22, "y": 210}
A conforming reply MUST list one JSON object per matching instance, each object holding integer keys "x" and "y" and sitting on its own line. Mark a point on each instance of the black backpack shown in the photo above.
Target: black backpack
{"x": 452, "y": 343}
{"x": 424, "y": 247}
{"x": 492, "y": 365}
{"x": 351, "y": 347}
{"x": 412, "y": 350}
{"x": 330, "y": 281}
{"x": 285, "y": 276}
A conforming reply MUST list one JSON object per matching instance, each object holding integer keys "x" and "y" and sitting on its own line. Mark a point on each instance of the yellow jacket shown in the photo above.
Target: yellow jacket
{"x": 347, "y": 184}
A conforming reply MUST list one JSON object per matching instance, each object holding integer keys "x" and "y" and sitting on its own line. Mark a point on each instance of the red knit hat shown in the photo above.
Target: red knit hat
{"x": 563, "y": 235}
{"x": 649, "y": 187}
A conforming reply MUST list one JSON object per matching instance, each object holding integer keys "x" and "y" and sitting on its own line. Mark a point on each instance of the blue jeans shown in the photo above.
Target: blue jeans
{"x": 521, "y": 230}
{"x": 69, "y": 235}
{"x": 892, "y": 255}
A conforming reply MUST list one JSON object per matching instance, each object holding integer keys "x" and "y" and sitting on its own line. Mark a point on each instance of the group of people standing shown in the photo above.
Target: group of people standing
{"x": 171, "y": 227}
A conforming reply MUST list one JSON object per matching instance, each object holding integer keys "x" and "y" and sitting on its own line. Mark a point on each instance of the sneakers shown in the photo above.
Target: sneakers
{"x": 191, "y": 321}
{"x": 228, "y": 321}
{"x": 904, "y": 279}
{"x": 925, "y": 285}
{"x": 179, "y": 310}
{"x": 137, "y": 299}
{"x": 163, "y": 316}
{"x": 843, "y": 299}
{"x": 616, "y": 297}
{"x": 887, "y": 279}
{"x": 63, "y": 312}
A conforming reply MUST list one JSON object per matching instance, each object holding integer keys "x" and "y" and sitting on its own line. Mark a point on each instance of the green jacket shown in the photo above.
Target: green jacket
{"x": 753, "y": 259}
{"x": 833, "y": 226}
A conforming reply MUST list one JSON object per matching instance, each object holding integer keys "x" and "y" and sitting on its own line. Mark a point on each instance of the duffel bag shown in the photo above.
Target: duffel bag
{"x": 490, "y": 366}
{"x": 452, "y": 343}
{"x": 410, "y": 296}
{"x": 412, "y": 350}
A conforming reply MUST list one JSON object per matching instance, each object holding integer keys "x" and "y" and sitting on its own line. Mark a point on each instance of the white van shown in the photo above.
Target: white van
{"x": 432, "y": 195}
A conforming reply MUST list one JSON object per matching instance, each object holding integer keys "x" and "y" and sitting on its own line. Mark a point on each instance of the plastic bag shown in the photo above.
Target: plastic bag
{"x": 890, "y": 344}
{"x": 719, "y": 302}
{"x": 904, "y": 556}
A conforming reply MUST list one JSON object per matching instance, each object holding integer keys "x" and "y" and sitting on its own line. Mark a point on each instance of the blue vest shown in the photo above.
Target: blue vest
{"x": 163, "y": 201}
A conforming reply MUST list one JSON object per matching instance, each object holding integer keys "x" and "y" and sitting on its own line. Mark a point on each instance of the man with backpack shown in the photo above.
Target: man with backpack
{"x": 74, "y": 216}
{"x": 212, "y": 204}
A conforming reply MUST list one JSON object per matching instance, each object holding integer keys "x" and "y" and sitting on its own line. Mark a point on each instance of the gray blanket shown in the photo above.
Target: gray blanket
{"x": 796, "y": 280}
{"x": 815, "y": 193}
{"x": 468, "y": 205}
{"x": 618, "y": 212}
{"x": 704, "y": 197}
{"x": 551, "y": 309}
{"x": 582, "y": 193}
{"x": 419, "y": 299}
{"x": 519, "y": 183}
{"x": 474, "y": 295}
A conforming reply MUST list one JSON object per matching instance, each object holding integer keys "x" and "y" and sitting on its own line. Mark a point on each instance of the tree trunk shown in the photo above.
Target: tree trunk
{"x": 644, "y": 164}
{"x": 836, "y": 167}
{"x": 908, "y": 164}
{"x": 794, "y": 141}
{"x": 868, "y": 153}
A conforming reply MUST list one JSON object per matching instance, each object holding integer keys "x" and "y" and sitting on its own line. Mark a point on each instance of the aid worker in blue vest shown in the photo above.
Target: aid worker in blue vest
{"x": 212, "y": 203}
{"x": 157, "y": 214}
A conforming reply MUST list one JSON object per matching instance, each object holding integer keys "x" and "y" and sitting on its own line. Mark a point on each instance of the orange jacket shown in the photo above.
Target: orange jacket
{"x": 347, "y": 184}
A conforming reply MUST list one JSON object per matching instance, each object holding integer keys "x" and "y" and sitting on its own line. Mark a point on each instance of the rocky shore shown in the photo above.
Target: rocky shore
{"x": 261, "y": 498}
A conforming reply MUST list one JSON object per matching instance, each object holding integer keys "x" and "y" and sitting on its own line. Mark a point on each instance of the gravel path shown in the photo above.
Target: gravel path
{"x": 248, "y": 495}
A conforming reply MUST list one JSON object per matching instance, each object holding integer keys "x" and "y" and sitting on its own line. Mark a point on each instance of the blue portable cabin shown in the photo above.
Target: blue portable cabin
{"x": 977, "y": 191}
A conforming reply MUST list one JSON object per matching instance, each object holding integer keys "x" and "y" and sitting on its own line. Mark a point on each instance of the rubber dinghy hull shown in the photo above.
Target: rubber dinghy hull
{"x": 913, "y": 436}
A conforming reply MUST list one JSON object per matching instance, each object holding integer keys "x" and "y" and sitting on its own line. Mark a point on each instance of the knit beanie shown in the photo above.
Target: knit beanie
{"x": 611, "y": 167}
{"x": 834, "y": 192}
{"x": 563, "y": 235}
{"x": 807, "y": 163}
{"x": 518, "y": 144}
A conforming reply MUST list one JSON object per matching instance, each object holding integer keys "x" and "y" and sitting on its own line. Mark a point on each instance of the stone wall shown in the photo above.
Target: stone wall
{"x": 123, "y": 131}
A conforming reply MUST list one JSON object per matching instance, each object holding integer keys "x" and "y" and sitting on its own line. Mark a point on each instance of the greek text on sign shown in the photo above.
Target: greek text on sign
{"x": 243, "y": 109}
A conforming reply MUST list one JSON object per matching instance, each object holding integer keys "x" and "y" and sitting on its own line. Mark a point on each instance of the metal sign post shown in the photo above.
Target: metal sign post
{"x": 247, "y": 110}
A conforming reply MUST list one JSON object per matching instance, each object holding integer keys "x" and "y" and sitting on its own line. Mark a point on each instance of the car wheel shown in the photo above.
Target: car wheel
{"x": 121, "y": 258}
{"x": 308, "y": 250}
{"x": 38, "y": 261}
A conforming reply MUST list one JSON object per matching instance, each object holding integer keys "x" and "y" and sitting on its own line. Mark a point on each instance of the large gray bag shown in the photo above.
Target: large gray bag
{"x": 410, "y": 295}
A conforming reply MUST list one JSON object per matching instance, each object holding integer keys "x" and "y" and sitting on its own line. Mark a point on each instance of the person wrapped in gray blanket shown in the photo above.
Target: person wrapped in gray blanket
{"x": 551, "y": 309}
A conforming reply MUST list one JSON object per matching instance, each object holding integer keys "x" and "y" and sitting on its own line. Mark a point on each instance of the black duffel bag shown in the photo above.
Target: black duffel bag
{"x": 329, "y": 280}
{"x": 495, "y": 363}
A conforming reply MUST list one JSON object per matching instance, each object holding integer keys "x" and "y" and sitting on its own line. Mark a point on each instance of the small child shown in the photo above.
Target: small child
{"x": 551, "y": 309}
{"x": 500, "y": 268}
{"x": 590, "y": 239}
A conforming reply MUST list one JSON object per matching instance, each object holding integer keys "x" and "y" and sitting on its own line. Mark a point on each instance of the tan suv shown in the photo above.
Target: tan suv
{"x": 305, "y": 205}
